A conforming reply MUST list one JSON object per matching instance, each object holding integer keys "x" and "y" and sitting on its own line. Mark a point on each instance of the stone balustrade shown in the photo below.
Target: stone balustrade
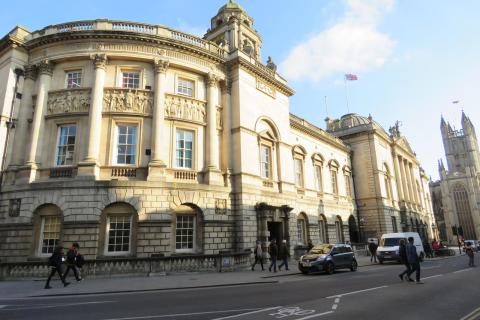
{"x": 108, "y": 267}
{"x": 132, "y": 27}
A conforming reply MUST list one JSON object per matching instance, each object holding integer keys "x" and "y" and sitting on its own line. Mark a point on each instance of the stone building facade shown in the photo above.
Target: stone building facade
{"x": 458, "y": 190}
{"x": 391, "y": 188}
{"x": 137, "y": 140}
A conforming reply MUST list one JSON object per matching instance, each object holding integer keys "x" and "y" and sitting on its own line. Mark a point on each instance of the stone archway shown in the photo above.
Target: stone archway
{"x": 272, "y": 219}
{"x": 353, "y": 230}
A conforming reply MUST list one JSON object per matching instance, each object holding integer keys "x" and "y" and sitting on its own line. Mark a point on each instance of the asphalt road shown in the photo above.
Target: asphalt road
{"x": 450, "y": 291}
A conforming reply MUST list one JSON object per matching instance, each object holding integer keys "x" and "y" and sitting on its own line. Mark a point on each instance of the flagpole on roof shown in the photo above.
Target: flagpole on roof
{"x": 346, "y": 92}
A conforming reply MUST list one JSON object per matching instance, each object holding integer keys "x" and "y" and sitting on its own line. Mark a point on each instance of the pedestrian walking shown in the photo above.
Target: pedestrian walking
{"x": 372, "y": 247}
{"x": 428, "y": 250}
{"x": 414, "y": 260}
{"x": 55, "y": 262}
{"x": 283, "y": 254}
{"x": 273, "y": 251}
{"x": 72, "y": 256}
{"x": 402, "y": 252}
{"x": 258, "y": 253}
{"x": 470, "y": 254}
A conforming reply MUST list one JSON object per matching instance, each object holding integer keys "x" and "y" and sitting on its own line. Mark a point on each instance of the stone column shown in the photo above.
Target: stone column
{"x": 21, "y": 130}
{"x": 90, "y": 166}
{"x": 398, "y": 178}
{"x": 159, "y": 159}
{"x": 414, "y": 185}
{"x": 213, "y": 175}
{"x": 227, "y": 143}
{"x": 409, "y": 181}
{"x": 403, "y": 177}
{"x": 45, "y": 69}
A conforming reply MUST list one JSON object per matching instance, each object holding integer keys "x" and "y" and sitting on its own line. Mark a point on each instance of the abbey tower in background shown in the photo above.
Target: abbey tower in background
{"x": 455, "y": 197}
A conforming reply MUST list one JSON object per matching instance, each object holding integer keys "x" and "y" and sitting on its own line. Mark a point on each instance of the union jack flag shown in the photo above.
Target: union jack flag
{"x": 351, "y": 77}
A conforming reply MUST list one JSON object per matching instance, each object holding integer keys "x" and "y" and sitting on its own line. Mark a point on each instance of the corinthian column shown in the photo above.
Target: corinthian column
{"x": 213, "y": 173}
{"x": 212, "y": 136}
{"x": 45, "y": 69}
{"x": 159, "y": 157}
{"x": 25, "y": 112}
{"x": 94, "y": 118}
{"x": 398, "y": 178}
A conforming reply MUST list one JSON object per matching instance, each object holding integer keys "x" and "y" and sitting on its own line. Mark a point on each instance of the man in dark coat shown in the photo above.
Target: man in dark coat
{"x": 402, "y": 252}
{"x": 413, "y": 259}
{"x": 273, "y": 251}
{"x": 72, "y": 256}
{"x": 283, "y": 254}
{"x": 55, "y": 262}
{"x": 372, "y": 247}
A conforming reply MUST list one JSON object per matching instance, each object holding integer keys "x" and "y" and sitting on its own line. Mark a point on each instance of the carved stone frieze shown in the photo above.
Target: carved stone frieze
{"x": 67, "y": 101}
{"x": 266, "y": 88}
{"x": 184, "y": 108}
{"x": 128, "y": 100}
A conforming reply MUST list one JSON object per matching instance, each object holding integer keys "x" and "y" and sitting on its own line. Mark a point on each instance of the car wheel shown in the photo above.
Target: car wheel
{"x": 329, "y": 268}
{"x": 303, "y": 270}
{"x": 354, "y": 265}
{"x": 380, "y": 261}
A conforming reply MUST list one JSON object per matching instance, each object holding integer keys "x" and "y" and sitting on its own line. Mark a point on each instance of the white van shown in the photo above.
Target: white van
{"x": 389, "y": 244}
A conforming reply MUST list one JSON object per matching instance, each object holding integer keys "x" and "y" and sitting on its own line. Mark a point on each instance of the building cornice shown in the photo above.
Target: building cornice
{"x": 262, "y": 72}
{"x": 316, "y": 132}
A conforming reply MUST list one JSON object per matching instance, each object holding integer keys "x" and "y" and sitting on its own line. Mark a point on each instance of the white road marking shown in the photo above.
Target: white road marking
{"x": 337, "y": 300}
{"x": 354, "y": 292}
{"x": 186, "y": 314}
{"x": 2, "y": 306}
{"x": 315, "y": 315}
{"x": 437, "y": 275}
{"x": 56, "y": 305}
{"x": 472, "y": 315}
{"x": 334, "y": 307}
{"x": 463, "y": 270}
{"x": 244, "y": 314}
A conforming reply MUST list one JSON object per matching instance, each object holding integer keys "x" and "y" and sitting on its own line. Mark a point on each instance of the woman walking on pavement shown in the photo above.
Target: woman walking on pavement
{"x": 402, "y": 252}
{"x": 258, "y": 255}
{"x": 283, "y": 254}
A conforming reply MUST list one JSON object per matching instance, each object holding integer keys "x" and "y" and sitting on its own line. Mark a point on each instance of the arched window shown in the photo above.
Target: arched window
{"x": 322, "y": 229}
{"x": 462, "y": 206}
{"x": 317, "y": 161}
{"x": 188, "y": 229}
{"x": 267, "y": 138}
{"x": 353, "y": 229}
{"x": 333, "y": 166}
{"x": 48, "y": 222}
{"x": 119, "y": 221}
{"x": 339, "y": 229}
{"x": 302, "y": 222}
{"x": 298, "y": 162}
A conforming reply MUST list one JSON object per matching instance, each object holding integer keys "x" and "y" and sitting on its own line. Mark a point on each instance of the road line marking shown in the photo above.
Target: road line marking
{"x": 334, "y": 307}
{"x": 354, "y": 292}
{"x": 463, "y": 270}
{"x": 472, "y": 315}
{"x": 57, "y": 305}
{"x": 244, "y": 314}
{"x": 2, "y": 306}
{"x": 337, "y": 300}
{"x": 315, "y": 315}
{"x": 437, "y": 275}
{"x": 180, "y": 314}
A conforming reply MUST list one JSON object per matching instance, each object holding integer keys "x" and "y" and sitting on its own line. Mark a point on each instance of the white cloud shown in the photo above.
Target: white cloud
{"x": 351, "y": 45}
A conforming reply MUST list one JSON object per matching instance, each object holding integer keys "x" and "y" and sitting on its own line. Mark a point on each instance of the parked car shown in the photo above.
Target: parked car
{"x": 328, "y": 258}
{"x": 474, "y": 243}
{"x": 389, "y": 246}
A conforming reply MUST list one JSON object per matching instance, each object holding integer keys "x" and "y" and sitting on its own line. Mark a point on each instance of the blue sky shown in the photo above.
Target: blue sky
{"x": 412, "y": 58}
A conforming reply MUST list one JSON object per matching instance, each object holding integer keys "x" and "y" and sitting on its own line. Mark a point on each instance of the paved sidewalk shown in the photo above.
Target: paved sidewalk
{"x": 29, "y": 288}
